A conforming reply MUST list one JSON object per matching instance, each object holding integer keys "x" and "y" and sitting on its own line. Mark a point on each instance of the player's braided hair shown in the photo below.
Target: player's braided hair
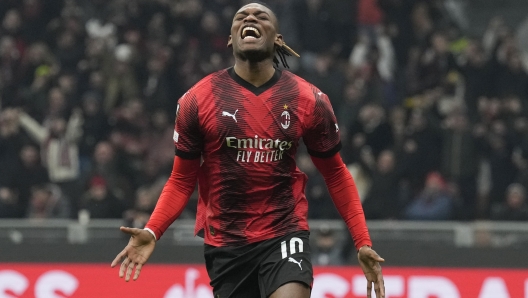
{"x": 282, "y": 51}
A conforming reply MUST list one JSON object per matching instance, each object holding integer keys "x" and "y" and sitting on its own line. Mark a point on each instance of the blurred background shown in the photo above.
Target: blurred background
{"x": 431, "y": 97}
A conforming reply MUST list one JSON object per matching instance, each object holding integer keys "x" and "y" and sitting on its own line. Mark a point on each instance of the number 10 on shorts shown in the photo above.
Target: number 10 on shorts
{"x": 293, "y": 249}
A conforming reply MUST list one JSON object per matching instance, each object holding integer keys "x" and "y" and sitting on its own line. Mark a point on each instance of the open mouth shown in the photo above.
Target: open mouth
{"x": 250, "y": 33}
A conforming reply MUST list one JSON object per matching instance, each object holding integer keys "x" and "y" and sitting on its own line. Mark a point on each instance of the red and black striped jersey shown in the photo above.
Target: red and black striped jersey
{"x": 250, "y": 188}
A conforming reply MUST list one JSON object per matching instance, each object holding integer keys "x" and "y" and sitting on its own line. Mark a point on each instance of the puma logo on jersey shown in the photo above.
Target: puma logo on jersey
{"x": 175, "y": 136}
{"x": 224, "y": 113}
{"x": 292, "y": 260}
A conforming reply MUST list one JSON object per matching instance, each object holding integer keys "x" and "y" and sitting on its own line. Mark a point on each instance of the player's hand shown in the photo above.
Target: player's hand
{"x": 369, "y": 261}
{"x": 136, "y": 253}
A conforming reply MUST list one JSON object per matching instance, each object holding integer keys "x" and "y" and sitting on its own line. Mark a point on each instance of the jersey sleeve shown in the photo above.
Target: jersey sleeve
{"x": 321, "y": 135}
{"x": 188, "y": 138}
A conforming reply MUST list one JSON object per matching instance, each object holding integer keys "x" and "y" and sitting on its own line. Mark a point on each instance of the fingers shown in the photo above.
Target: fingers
{"x": 381, "y": 288}
{"x": 138, "y": 270}
{"x": 381, "y": 283}
{"x": 118, "y": 258}
{"x": 378, "y": 290}
{"x": 378, "y": 258}
{"x": 129, "y": 231}
{"x": 366, "y": 252}
{"x": 374, "y": 255}
{"x": 123, "y": 268}
{"x": 130, "y": 268}
{"x": 369, "y": 289}
{"x": 127, "y": 266}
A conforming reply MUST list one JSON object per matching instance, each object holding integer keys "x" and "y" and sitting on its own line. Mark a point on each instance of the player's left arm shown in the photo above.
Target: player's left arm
{"x": 323, "y": 142}
{"x": 345, "y": 196}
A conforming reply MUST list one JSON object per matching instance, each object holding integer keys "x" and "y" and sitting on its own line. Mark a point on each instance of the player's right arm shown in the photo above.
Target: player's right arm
{"x": 175, "y": 194}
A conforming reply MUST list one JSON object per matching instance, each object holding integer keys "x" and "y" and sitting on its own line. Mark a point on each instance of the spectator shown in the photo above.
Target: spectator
{"x": 476, "y": 72}
{"x": 12, "y": 26}
{"x": 212, "y": 39}
{"x": 328, "y": 78}
{"x": 520, "y": 160}
{"x": 312, "y": 20}
{"x": 30, "y": 173}
{"x": 95, "y": 127}
{"x": 157, "y": 86}
{"x": 383, "y": 200}
{"x": 433, "y": 203}
{"x": 68, "y": 84}
{"x": 9, "y": 207}
{"x": 105, "y": 165}
{"x": 399, "y": 27}
{"x": 12, "y": 139}
{"x": 374, "y": 59}
{"x": 512, "y": 79}
{"x": 369, "y": 17}
{"x": 121, "y": 85}
{"x": 92, "y": 66}
{"x": 328, "y": 248}
{"x": 128, "y": 136}
{"x": 144, "y": 204}
{"x": 69, "y": 51}
{"x": 422, "y": 22}
{"x": 372, "y": 129}
{"x": 9, "y": 62}
{"x": 99, "y": 201}
{"x": 57, "y": 106}
{"x": 347, "y": 113}
{"x": 426, "y": 140}
{"x": 130, "y": 123}
{"x": 503, "y": 171}
{"x": 47, "y": 202}
{"x": 161, "y": 132}
{"x": 59, "y": 143}
{"x": 514, "y": 207}
{"x": 398, "y": 122}
{"x": 459, "y": 159}
{"x": 435, "y": 62}
{"x": 152, "y": 178}
{"x": 37, "y": 67}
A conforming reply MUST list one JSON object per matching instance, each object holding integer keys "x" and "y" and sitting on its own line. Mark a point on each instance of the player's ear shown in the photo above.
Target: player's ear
{"x": 279, "y": 40}
{"x": 230, "y": 42}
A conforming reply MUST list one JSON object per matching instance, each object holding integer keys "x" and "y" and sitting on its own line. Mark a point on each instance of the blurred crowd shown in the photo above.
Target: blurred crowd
{"x": 434, "y": 122}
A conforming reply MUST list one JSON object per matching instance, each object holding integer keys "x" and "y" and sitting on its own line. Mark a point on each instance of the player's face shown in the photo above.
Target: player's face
{"x": 254, "y": 33}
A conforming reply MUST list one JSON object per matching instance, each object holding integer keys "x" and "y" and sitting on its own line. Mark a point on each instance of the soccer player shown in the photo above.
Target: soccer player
{"x": 236, "y": 133}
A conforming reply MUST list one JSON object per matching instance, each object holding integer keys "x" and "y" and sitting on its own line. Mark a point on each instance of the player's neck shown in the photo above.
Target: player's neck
{"x": 257, "y": 74}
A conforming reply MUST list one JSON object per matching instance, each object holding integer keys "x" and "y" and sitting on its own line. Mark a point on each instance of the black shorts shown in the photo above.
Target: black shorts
{"x": 258, "y": 269}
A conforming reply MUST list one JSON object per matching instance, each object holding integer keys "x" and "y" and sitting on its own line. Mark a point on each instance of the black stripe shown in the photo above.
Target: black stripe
{"x": 188, "y": 155}
{"x": 326, "y": 154}
{"x": 255, "y": 90}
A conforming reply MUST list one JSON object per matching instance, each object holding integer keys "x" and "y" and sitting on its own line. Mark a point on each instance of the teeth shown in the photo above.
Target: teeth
{"x": 245, "y": 30}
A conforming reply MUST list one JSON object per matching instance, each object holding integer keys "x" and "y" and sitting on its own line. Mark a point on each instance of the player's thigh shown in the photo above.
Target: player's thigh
{"x": 287, "y": 264}
{"x": 232, "y": 272}
{"x": 292, "y": 290}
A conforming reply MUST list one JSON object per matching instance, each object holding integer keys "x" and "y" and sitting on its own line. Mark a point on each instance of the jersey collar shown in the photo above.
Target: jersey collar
{"x": 255, "y": 90}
